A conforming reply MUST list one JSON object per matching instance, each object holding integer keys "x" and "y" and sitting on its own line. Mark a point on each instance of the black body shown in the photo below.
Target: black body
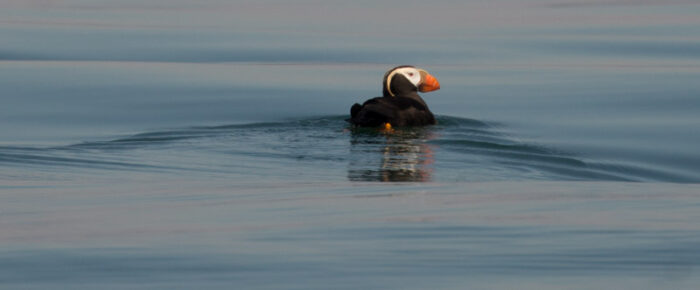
{"x": 405, "y": 108}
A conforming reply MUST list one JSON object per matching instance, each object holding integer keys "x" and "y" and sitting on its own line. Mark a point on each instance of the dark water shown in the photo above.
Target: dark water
{"x": 173, "y": 144}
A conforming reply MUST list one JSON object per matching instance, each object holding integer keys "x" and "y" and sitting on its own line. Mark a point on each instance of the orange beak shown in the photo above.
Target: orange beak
{"x": 430, "y": 83}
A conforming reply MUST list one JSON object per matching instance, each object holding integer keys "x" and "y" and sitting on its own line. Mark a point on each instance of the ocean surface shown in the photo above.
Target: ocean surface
{"x": 203, "y": 144}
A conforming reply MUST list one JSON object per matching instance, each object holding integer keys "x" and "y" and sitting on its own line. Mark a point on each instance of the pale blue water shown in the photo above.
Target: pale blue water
{"x": 174, "y": 144}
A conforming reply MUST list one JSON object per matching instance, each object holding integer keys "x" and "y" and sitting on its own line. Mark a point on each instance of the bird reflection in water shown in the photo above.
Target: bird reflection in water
{"x": 398, "y": 155}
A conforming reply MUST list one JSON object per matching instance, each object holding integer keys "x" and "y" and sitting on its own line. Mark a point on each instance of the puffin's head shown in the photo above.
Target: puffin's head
{"x": 406, "y": 79}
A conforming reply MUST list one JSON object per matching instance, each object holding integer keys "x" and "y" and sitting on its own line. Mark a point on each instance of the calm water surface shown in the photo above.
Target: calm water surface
{"x": 170, "y": 144}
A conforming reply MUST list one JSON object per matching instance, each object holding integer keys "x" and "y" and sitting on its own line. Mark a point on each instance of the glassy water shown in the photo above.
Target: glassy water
{"x": 172, "y": 144}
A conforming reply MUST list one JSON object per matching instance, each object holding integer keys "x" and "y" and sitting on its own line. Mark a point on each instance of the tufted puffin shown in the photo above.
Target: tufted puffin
{"x": 400, "y": 104}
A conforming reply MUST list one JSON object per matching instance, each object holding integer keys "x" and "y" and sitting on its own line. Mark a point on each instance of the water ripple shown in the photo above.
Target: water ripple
{"x": 456, "y": 149}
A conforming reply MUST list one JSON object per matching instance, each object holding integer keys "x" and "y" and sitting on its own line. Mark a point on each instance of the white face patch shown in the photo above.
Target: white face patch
{"x": 412, "y": 74}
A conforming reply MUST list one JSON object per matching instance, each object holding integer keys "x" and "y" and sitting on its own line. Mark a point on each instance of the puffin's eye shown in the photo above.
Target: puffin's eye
{"x": 410, "y": 74}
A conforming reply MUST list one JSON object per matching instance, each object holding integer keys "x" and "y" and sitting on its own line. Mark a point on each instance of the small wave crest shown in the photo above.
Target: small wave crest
{"x": 457, "y": 149}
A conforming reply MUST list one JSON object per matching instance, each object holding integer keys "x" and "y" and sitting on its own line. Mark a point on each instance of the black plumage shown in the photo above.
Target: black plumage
{"x": 400, "y": 104}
